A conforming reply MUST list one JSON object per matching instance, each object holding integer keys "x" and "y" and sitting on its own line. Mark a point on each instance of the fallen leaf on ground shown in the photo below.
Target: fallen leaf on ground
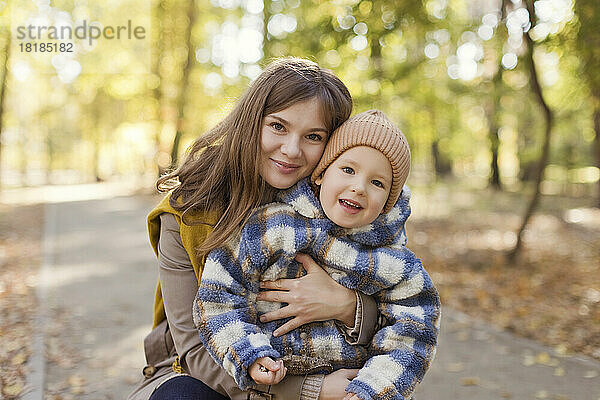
{"x": 455, "y": 367}
{"x": 542, "y": 358}
{"x": 470, "y": 381}
{"x": 76, "y": 380}
{"x": 591, "y": 374}
{"x": 532, "y": 296}
{"x": 528, "y": 361}
{"x": 19, "y": 359}
{"x": 13, "y": 389}
{"x": 541, "y": 394}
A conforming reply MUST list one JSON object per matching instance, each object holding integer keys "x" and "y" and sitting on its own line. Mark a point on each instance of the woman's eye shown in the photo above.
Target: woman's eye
{"x": 277, "y": 126}
{"x": 377, "y": 183}
{"x": 348, "y": 170}
{"x": 315, "y": 137}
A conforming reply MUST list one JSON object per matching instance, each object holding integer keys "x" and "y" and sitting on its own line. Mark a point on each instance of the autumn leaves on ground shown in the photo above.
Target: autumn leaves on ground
{"x": 551, "y": 294}
{"x": 20, "y": 258}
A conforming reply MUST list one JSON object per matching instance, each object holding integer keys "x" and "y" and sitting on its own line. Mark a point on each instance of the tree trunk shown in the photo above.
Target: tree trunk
{"x": 191, "y": 12}
{"x": 587, "y": 42}
{"x": 597, "y": 143}
{"x": 49, "y": 150}
{"x": 493, "y": 117}
{"x": 440, "y": 163}
{"x": 493, "y": 120}
{"x": 3, "y": 85}
{"x": 377, "y": 70}
{"x": 96, "y": 157}
{"x": 156, "y": 92}
{"x": 267, "y": 47}
{"x": 543, "y": 161}
{"x": 95, "y": 111}
{"x": 495, "y": 147}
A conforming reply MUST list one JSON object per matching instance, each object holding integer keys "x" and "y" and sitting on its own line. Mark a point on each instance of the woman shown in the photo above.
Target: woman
{"x": 274, "y": 137}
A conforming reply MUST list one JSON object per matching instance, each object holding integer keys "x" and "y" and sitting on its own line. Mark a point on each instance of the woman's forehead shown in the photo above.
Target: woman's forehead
{"x": 305, "y": 112}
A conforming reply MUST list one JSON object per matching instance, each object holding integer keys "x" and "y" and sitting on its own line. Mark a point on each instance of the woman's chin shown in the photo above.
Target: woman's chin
{"x": 281, "y": 181}
{"x": 281, "y": 185}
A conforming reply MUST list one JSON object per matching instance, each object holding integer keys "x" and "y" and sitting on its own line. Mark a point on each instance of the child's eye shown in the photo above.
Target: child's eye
{"x": 348, "y": 170}
{"x": 315, "y": 137}
{"x": 377, "y": 183}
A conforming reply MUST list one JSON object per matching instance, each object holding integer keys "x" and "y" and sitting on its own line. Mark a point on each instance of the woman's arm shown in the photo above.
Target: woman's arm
{"x": 365, "y": 323}
{"x": 317, "y": 297}
{"x": 179, "y": 287}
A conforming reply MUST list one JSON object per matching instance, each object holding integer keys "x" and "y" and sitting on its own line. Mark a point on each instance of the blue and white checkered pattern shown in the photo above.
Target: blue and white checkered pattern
{"x": 372, "y": 259}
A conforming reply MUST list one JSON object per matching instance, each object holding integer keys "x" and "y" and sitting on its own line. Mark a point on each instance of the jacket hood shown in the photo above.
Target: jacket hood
{"x": 387, "y": 229}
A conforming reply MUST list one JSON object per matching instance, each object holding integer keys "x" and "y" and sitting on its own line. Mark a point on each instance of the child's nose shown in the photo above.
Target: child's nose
{"x": 358, "y": 187}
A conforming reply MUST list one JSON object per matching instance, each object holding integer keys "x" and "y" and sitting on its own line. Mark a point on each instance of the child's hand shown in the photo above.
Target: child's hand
{"x": 267, "y": 371}
{"x": 351, "y": 396}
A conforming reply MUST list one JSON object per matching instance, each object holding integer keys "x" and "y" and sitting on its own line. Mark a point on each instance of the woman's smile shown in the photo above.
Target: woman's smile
{"x": 284, "y": 167}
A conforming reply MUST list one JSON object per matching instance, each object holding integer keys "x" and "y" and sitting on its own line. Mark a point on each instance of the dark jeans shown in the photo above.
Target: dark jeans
{"x": 185, "y": 388}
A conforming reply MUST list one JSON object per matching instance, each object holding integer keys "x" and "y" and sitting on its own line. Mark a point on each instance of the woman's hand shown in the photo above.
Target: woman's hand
{"x": 334, "y": 384}
{"x": 312, "y": 297}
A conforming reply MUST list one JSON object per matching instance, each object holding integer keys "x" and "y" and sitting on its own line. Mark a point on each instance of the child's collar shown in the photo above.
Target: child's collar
{"x": 303, "y": 199}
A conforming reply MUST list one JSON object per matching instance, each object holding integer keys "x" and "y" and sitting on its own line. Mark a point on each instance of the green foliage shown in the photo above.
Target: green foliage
{"x": 434, "y": 66}
{"x": 588, "y": 42}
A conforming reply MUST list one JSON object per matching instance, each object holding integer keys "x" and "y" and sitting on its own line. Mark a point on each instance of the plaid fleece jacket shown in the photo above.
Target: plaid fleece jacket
{"x": 372, "y": 259}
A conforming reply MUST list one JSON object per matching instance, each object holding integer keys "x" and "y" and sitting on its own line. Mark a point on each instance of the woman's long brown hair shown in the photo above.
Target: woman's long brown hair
{"x": 221, "y": 171}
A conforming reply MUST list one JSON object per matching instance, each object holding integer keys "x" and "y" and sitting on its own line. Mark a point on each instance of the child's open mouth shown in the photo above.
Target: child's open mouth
{"x": 350, "y": 206}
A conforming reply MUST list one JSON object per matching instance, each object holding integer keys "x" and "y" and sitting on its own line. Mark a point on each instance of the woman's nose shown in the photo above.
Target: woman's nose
{"x": 291, "y": 147}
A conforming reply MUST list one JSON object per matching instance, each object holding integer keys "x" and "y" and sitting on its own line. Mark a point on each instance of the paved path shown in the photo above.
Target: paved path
{"x": 476, "y": 361}
{"x": 99, "y": 279}
{"x": 100, "y": 286}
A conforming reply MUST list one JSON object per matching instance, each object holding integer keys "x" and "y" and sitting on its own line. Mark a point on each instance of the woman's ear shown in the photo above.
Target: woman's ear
{"x": 319, "y": 180}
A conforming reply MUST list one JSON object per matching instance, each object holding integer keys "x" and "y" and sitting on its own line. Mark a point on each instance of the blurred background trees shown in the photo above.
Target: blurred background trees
{"x": 499, "y": 99}
{"x": 476, "y": 86}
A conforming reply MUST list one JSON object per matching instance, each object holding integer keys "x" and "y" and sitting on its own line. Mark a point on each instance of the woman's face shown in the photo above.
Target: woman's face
{"x": 291, "y": 143}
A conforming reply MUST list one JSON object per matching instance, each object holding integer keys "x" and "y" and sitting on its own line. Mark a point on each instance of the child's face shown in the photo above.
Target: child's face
{"x": 355, "y": 187}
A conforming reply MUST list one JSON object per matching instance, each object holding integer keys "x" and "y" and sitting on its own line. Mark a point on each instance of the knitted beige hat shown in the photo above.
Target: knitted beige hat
{"x": 373, "y": 129}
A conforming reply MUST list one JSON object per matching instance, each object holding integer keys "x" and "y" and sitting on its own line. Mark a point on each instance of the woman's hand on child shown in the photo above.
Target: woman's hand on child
{"x": 312, "y": 297}
{"x": 267, "y": 371}
{"x": 334, "y": 384}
